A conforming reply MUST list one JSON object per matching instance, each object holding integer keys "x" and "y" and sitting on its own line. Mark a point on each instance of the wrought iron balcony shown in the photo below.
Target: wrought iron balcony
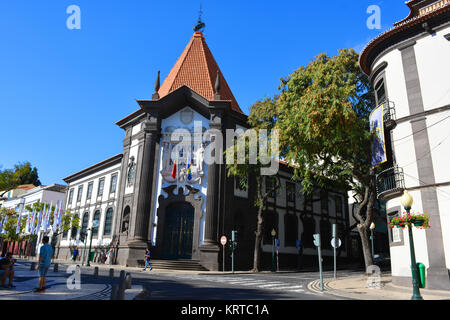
{"x": 389, "y": 115}
{"x": 390, "y": 183}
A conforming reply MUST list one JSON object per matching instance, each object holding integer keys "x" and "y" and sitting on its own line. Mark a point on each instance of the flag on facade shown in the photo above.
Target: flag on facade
{"x": 38, "y": 225}
{"x": 5, "y": 219}
{"x": 189, "y": 175}
{"x": 56, "y": 216}
{"x": 378, "y": 144}
{"x": 18, "y": 224}
{"x": 60, "y": 213}
{"x": 33, "y": 217}
{"x": 174, "y": 170}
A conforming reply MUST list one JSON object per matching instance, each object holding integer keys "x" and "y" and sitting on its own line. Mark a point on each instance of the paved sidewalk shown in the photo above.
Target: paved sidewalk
{"x": 356, "y": 287}
{"x": 26, "y": 281}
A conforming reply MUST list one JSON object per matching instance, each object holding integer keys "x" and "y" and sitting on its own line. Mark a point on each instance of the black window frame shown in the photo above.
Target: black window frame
{"x": 101, "y": 182}
{"x": 107, "y": 225}
{"x": 80, "y": 193}
{"x": 114, "y": 176}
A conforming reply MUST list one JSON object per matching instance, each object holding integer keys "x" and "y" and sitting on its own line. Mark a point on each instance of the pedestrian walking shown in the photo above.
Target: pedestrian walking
{"x": 45, "y": 255}
{"x": 74, "y": 254}
{"x": 147, "y": 260}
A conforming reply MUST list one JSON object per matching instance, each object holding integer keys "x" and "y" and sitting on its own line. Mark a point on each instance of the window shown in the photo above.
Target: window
{"x": 291, "y": 227}
{"x": 324, "y": 202}
{"x": 270, "y": 184}
{"x": 395, "y": 232}
{"x": 84, "y": 224}
{"x": 80, "y": 192}
{"x": 309, "y": 228}
{"x": 96, "y": 217}
{"x": 89, "y": 190}
{"x": 113, "y": 184}
{"x": 70, "y": 196}
{"x": 101, "y": 185}
{"x": 338, "y": 201}
{"x": 74, "y": 232}
{"x": 290, "y": 191}
{"x": 380, "y": 92}
{"x": 308, "y": 205}
{"x": 270, "y": 223}
{"x": 108, "y": 222}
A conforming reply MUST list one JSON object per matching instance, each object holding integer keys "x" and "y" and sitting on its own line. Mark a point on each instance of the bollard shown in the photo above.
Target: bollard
{"x": 55, "y": 267}
{"x": 111, "y": 273}
{"x": 128, "y": 280}
{"x": 114, "y": 292}
{"x": 122, "y": 276}
{"x": 96, "y": 272}
{"x": 33, "y": 266}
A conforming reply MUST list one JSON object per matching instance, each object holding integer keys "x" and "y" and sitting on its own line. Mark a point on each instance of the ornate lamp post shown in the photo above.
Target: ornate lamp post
{"x": 407, "y": 202}
{"x": 273, "y": 233}
{"x": 372, "y": 226}
{"x": 95, "y": 224}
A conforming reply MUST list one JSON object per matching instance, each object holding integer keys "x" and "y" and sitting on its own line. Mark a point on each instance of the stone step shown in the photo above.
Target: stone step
{"x": 182, "y": 264}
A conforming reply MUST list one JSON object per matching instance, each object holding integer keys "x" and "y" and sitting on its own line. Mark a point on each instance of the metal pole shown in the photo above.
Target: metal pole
{"x": 278, "y": 265}
{"x": 273, "y": 254}
{"x": 223, "y": 258}
{"x": 232, "y": 257}
{"x": 84, "y": 252}
{"x": 334, "y": 252}
{"x": 371, "y": 238}
{"x": 320, "y": 268}
{"x": 415, "y": 271}
{"x": 89, "y": 252}
{"x": 334, "y": 247}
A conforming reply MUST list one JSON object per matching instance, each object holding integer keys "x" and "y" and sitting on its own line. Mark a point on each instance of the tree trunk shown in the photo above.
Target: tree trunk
{"x": 367, "y": 251}
{"x": 258, "y": 238}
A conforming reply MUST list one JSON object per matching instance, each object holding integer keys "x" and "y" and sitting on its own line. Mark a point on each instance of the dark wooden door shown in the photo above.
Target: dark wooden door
{"x": 178, "y": 231}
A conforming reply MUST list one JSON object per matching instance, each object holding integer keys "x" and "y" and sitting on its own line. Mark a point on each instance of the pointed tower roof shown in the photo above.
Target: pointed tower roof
{"x": 197, "y": 69}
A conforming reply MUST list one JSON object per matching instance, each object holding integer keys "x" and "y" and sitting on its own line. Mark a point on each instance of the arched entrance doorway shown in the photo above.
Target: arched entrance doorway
{"x": 178, "y": 231}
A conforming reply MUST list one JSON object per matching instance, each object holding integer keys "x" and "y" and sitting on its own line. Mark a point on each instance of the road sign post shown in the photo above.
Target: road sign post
{"x": 317, "y": 243}
{"x": 278, "y": 245}
{"x": 223, "y": 241}
{"x": 233, "y": 240}
{"x": 334, "y": 247}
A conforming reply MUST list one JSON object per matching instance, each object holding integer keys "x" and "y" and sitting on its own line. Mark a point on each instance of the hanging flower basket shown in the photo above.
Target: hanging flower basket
{"x": 421, "y": 221}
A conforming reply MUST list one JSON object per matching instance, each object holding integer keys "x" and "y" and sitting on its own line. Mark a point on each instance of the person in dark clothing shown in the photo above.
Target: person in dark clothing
{"x": 7, "y": 266}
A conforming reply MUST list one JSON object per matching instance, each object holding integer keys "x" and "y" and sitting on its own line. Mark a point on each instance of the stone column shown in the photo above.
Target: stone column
{"x": 210, "y": 248}
{"x": 151, "y": 131}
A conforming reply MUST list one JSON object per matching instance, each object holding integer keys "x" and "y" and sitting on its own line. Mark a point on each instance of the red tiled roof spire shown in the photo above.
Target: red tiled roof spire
{"x": 197, "y": 69}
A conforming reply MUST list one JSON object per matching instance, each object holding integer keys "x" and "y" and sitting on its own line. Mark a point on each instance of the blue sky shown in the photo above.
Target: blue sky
{"x": 61, "y": 90}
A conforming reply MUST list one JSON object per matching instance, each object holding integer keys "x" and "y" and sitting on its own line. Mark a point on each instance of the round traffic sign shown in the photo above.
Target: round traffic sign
{"x": 338, "y": 242}
{"x": 223, "y": 240}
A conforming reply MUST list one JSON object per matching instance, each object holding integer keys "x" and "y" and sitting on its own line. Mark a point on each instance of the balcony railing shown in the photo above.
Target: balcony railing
{"x": 390, "y": 183}
{"x": 389, "y": 116}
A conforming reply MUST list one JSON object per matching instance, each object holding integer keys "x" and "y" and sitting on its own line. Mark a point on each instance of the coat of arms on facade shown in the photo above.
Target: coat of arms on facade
{"x": 187, "y": 166}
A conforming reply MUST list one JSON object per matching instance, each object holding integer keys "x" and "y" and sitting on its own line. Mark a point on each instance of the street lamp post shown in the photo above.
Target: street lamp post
{"x": 407, "y": 202}
{"x": 372, "y": 226}
{"x": 94, "y": 225}
{"x": 274, "y": 233}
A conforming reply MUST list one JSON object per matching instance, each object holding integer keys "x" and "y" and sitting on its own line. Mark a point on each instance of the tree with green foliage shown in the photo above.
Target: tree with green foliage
{"x": 245, "y": 159}
{"x": 322, "y": 114}
{"x": 22, "y": 173}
